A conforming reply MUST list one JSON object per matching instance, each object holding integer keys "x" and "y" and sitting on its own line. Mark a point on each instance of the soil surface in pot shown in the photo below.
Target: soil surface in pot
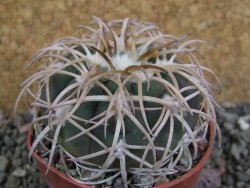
{"x": 228, "y": 167}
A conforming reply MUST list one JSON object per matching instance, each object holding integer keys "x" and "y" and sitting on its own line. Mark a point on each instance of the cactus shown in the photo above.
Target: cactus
{"x": 119, "y": 102}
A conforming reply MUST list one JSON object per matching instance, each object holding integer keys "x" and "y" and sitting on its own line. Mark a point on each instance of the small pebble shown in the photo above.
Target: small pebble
{"x": 19, "y": 172}
{"x": 241, "y": 184}
{"x": 17, "y": 152}
{"x": 3, "y": 177}
{"x": 235, "y": 152}
{"x": 4, "y": 163}
{"x": 244, "y": 122}
{"x": 12, "y": 182}
{"x": 228, "y": 126}
{"x": 8, "y": 141}
{"x": 21, "y": 139}
{"x": 248, "y": 172}
{"x": 17, "y": 162}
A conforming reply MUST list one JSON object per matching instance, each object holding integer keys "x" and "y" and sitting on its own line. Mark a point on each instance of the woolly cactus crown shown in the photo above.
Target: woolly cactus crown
{"x": 117, "y": 102}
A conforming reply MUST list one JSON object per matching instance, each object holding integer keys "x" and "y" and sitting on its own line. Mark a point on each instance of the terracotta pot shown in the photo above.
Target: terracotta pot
{"x": 56, "y": 179}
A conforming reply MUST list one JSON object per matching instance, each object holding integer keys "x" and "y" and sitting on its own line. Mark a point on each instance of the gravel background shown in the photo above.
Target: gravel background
{"x": 228, "y": 167}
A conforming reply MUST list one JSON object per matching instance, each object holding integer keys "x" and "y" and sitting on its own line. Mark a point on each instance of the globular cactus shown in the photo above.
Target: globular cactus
{"x": 119, "y": 102}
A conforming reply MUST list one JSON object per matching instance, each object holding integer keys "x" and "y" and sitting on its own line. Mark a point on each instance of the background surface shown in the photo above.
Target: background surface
{"x": 26, "y": 26}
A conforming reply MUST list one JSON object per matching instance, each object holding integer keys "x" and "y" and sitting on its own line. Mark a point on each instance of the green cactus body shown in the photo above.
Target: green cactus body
{"x": 84, "y": 145}
{"x": 80, "y": 146}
